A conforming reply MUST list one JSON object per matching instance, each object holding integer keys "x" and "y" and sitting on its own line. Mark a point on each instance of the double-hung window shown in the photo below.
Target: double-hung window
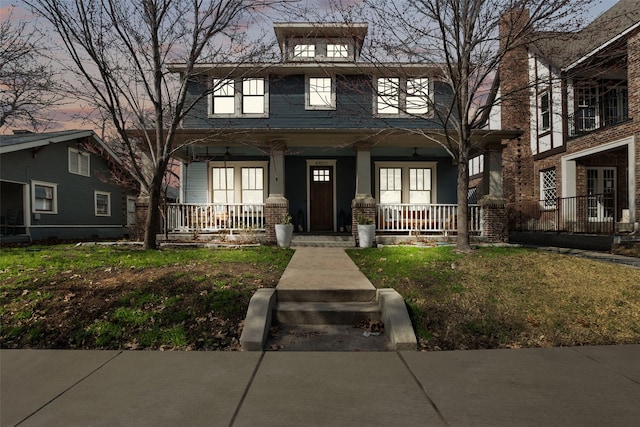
{"x": 246, "y": 97}
{"x": 320, "y": 93}
{"x": 544, "y": 119}
{"x": 238, "y": 182}
{"x": 402, "y": 96}
{"x": 44, "y": 197}
{"x": 102, "y": 203}
{"x": 406, "y": 182}
{"x": 78, "y": 162}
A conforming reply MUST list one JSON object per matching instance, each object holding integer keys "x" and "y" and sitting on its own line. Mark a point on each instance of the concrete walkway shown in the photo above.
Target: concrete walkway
{"x": 586, "y": 386}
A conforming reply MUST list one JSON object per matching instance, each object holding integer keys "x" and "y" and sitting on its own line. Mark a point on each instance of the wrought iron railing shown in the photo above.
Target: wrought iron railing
{"x": 425, "y": 218}
{"x": 592, "y": 214}
{"x": 587, "y": 119}
{"x": 206, "y": 217}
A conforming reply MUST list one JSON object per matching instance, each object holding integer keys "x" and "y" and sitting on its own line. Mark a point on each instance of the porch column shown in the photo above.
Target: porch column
{"x": 364, "y": 204}
{"x": 277, "y": 205}
{"x": 492, "y": 182}
{"x": 495, "y": 225}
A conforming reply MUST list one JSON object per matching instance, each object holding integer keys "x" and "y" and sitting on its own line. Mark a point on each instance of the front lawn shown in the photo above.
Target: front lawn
{"x": 507, "y": 297}
{"x": 125, "y": 298}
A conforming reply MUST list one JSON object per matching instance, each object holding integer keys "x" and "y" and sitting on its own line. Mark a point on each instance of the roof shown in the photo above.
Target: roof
{"x": 568, "y": 49}
{"x": 26, "y": 140}
{"x": 354, "y": 30}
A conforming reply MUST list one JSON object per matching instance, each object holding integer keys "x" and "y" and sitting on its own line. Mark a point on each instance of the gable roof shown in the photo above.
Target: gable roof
{"x": 24, "y": 141}
{"x": 567, "y": 50}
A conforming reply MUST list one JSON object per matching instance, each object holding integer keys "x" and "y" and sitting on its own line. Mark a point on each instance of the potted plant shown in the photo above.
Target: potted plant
{"x": 366, "y": 231}
{"x": 284, "y": 231}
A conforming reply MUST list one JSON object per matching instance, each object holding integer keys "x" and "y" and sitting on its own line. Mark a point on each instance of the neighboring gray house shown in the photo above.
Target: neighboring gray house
{"x": 51, "y": 186}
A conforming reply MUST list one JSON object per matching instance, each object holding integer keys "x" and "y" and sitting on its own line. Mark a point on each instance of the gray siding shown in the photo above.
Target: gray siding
{"x": 354, "y": 107}
{"x": 75, "y": 193}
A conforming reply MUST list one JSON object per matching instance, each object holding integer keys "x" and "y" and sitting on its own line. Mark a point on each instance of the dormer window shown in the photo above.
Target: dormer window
{"x": 304, "y": 51}
{"x": 337, "y": 51}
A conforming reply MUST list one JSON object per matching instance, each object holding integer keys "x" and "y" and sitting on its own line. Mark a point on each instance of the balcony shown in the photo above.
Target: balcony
{"x": 588, "y": 119}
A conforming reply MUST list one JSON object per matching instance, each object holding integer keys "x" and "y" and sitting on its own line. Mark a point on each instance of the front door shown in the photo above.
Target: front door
{"x": 601, "y": 184}
{"x": 321, "y": 198}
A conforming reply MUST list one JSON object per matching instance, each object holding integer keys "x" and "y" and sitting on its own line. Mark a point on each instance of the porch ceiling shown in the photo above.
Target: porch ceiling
{"x": 336, "y": 138}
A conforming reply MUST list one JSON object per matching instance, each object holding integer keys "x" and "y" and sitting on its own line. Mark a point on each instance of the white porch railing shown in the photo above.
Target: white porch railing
{"x": 202, "y": 217}
{"x": 430, "y": 218}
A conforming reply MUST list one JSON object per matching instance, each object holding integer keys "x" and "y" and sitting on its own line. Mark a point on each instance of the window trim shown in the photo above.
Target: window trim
{"x": 542, "y": 113}
{"x": 307, "y": 93}
{"x": 405, "y": 166}
{"x": 80, "y": 154}
{"x": 237, "y": 177}
{"x": 54, "y": 202}
{"x": 238, "y": 98}
{"x": 543, "y": 189}
{"x": 97, "y": 193}
{"x": 401, "y": 95}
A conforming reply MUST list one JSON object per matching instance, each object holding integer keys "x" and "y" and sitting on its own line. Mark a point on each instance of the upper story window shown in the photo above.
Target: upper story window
{"x": 304, "y": 51}
{"x": 320, "y": 93}
{"x": 337, "y": 51}
{"x": 544, "y": 119}
{"x": 78, "y": 162}
{"x": 400, "y": 96}
{"x": 476, "y": 165}
{"x": 246, "y": 97}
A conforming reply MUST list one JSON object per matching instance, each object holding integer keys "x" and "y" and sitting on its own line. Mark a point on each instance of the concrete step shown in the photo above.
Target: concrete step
{"x": 327, "y": 241}
{"x": 304, "y": 294}
{"x": 327, "y": 313}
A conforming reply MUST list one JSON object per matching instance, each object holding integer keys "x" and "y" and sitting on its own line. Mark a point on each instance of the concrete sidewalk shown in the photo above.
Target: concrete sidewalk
{"x": 587, "y": 386}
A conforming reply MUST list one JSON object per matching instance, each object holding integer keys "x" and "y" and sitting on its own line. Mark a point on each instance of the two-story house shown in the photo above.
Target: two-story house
{"x": 321, "y": 135}
{"x": 577, "y": 167}
{"x": 57, "y": 185}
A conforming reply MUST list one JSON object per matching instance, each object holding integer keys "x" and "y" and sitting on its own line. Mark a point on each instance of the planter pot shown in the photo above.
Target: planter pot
{"x": 283, "y": 234}
{"x": 366, "y": 233}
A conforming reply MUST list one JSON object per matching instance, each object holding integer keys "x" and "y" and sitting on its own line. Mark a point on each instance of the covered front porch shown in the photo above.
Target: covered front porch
{"x": 327, "y": 181}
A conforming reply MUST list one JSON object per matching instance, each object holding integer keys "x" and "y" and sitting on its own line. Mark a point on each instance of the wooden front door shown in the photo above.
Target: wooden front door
{"x": 321, "y": 198}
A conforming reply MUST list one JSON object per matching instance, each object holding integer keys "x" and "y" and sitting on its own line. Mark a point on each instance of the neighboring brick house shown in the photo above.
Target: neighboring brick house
{"x": 577, "y": 164}
{"x": 321, "y": 135}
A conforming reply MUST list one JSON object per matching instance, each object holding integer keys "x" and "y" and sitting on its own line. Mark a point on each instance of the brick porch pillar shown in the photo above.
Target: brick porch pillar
{"x": 142, "y": 209}
{"x": 495, "y": 221}
{"x": 276, "y": 207}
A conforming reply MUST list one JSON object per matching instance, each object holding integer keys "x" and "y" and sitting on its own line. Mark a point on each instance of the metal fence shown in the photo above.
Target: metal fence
{"x": 593, "y": 214}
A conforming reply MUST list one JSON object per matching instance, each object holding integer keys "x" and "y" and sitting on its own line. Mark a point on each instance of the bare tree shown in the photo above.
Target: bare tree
{"x": 461, "y": 39}
{"x": 27, "y": 80}
{"x": 120, "y": 51}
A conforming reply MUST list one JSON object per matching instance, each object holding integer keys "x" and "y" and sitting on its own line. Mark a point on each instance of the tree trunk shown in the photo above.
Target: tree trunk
{"x": 462, "y": 242}
{"x": 153, "y": 214}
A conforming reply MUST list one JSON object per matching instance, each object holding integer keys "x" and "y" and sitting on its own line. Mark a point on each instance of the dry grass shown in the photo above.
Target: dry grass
{"x": 509, "y": 298}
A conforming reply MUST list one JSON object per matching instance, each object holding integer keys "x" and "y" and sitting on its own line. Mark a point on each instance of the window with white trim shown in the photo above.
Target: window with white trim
{"x": 337, "y": 51}
{"x": 253, "y": 96}
{"x": 102, "y": 203}
{"x": 398, "y": 96}
{"x": 476, "y": 165}
{"x": 304, "y": 51}
{"x": 548, "y": 188}
{"x": 544, "y": 105}
{"x": 405, "y": 182}
{"x": 320, "y": 93}
{"x": 238, "y": 182}
{"x": 79, "y": 162}
{"x": 246, "y": 97}
{"x": 44, "y": 197}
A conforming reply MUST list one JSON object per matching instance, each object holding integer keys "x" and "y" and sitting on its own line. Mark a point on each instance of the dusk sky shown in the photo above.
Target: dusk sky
{"x": 64, "y": 116}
